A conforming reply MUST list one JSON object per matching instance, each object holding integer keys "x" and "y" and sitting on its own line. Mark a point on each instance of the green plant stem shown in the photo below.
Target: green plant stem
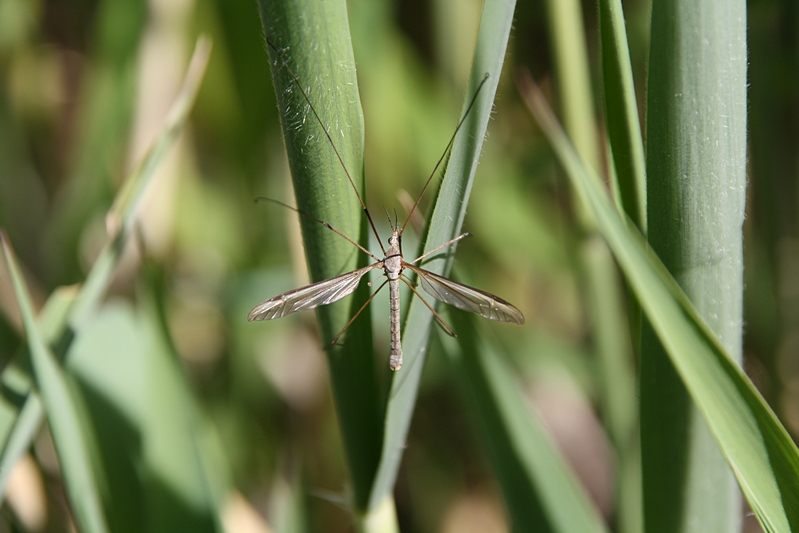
{"x": 696, "y": 167}
{"x": 312, "y": 40}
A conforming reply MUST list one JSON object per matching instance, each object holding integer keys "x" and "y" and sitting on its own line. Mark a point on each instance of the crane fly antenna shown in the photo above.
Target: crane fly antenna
{"x": 329, "y": 138}
{"x": 393, "y": 226}
{"x": 322, "y": 222}
{"x": 449, "y": 145}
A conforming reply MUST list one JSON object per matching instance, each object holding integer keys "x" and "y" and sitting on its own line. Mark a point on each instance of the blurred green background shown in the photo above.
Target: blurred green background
{"x": 84, "y": 89}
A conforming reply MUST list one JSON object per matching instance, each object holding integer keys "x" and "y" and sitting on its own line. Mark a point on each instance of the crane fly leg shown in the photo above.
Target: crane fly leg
{"x": 434, "y": 250}
{"x": 441, "y": 321}
{"x": 340, "y": 333}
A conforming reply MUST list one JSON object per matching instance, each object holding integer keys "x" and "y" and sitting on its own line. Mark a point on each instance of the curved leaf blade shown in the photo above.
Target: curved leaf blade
{"x": 68, "y": 431}
{"x": 621, "y": 113}
{"x": 539, "y": 488}
{"x": 758, "y": 448}
{"x": 444, "y": 224}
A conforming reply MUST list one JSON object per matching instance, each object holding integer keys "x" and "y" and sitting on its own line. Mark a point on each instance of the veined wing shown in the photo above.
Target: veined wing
{"x": 311, "y": 296}
{"x": 467, "y": 298}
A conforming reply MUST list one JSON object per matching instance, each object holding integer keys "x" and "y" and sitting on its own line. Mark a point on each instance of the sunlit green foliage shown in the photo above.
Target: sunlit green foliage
{"x": 192, "y": 419}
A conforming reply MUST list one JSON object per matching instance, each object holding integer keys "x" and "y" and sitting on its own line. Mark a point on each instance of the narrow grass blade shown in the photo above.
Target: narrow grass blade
{"x": 69, "y": 431}
{"x": 612, "y": 341}
{"x": 121, "y": 214}
{"x": 621, "y": 113}
{"x": 444, "y": 224}
{"x": 618, "y": 401}
{"x": 540, "y": 490}
{"x": 311, "y": 40}
{"x": 127, "y": 199}
{"x": 761, "y": 453}
{"x": 21, "y": 410}
{"x": 574, "y": 77}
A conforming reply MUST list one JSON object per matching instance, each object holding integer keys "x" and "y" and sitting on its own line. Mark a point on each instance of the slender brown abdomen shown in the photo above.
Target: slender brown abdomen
{"x": 395, "y": 359}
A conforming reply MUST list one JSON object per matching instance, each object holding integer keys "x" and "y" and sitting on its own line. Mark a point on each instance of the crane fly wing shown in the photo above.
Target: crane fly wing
{"x": 311, "y": 296}
{"x": 467, "y": 298}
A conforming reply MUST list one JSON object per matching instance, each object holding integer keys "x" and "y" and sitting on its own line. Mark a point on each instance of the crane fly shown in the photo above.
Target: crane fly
{"x": 393, "y": 264}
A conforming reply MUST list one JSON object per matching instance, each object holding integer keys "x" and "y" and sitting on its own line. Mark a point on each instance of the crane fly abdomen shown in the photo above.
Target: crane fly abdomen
{"x": 395, "y": 354}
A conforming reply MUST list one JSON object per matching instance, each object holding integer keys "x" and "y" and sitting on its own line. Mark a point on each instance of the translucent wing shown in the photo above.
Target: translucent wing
{"x": 467, "y": 298}
{"x": 311, "y": 296}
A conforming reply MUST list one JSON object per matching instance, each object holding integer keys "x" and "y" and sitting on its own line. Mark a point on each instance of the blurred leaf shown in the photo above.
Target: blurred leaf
{"x": 612, "y": 340}
{"x": 16, "y": 432}
{"x": 540, "y": 490}
{"x": 762, "y": 455}
{"x": 185, "y": 479}
{"x": 23, "y": 198}
{"x": 70, "y": 432}
{"x": 110, "y": 363}
{"x": 150, "y": 433}
{"x": 291, "y": 511}
{"x": 121, "y": 215}
{"x": 617, "y": 377}
{"x": 573, "y": 74}
{"x": 123, "y": 210}
{"x": 105, "y": 107}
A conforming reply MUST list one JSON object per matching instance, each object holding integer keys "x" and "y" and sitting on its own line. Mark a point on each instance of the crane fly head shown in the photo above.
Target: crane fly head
{"x": 395, "y": 241}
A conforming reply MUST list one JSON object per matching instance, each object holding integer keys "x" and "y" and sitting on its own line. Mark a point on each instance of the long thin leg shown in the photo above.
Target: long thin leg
{"x": 330, "y": 139}
{"x": 449, "y": 145}
{"x": 322, "y": 222}
{"x": 340, "y": 333}
{"x": 434, "y": 250}
{"x": 450, "y": 332}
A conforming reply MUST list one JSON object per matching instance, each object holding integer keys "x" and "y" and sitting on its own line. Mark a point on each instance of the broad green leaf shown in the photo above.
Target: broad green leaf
{"x": 761, "y": 453}
{"x": 149, "y": 430}
{"x": 696, "y": 195}
{"x": 312, "y": 51}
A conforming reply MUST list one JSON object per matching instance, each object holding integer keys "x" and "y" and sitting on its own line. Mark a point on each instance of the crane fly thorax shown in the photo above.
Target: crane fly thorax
{"x": 392, "y": 264}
